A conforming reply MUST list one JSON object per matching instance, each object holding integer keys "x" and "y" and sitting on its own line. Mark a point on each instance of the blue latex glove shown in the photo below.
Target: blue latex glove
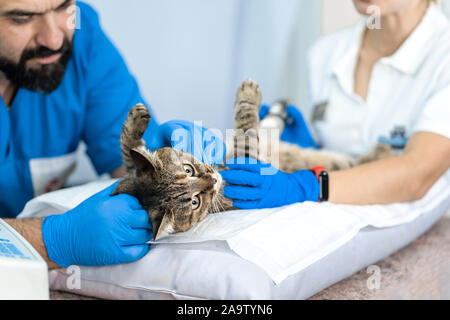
{"x": 204, "y": 144}
{"x": 260, "y": 185}
{"x": 101, "y": 231}
{"x": 296, "y": 132}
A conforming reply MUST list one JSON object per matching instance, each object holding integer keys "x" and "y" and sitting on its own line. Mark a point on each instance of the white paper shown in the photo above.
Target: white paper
{"x": 61, "y": 201}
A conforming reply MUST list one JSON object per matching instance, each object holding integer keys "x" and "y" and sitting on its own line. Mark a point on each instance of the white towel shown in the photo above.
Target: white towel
{"x": 281, "y": 241}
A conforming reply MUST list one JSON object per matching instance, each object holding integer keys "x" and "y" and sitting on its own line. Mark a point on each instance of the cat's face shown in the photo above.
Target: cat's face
{"x": 176, "y": 189}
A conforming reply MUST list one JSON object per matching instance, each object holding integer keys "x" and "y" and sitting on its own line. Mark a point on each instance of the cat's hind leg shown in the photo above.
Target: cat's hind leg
{"x": 381, "y": 151}
{"x": 132, "y": 133}
{"x": 248, "y": 102}
{"x": 246, "y": 117}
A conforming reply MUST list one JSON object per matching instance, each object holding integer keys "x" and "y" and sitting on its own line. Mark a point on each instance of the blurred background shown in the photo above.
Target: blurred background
{"x": 190, "y": 56}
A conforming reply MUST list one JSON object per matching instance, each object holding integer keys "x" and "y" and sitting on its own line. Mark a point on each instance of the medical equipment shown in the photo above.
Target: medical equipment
{"x": 23, "y": 273}
{"x": 277, "y": 117}
{"x": 398, "y": 138}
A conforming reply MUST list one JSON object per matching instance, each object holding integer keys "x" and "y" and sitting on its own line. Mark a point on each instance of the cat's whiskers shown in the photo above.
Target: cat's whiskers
{"x": 217, "y": 203}
{"x": 214, "y": 206}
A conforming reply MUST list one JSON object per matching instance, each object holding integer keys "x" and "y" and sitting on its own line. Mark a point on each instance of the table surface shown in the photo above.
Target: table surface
{"x": 419, "y": 271}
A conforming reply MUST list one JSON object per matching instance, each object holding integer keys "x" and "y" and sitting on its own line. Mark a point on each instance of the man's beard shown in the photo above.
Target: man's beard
{"x": 44, "y": 79}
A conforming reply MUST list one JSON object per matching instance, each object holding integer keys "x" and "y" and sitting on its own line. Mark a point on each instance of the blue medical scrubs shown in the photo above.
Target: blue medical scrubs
{"x": 91, "y": 104}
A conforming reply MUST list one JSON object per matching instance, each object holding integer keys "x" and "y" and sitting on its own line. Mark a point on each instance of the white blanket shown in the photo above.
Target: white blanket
{"x": 281, "y": 241}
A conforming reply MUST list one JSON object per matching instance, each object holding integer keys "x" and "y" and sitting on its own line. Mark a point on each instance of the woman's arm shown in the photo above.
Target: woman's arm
{"x": 404, "y": 178}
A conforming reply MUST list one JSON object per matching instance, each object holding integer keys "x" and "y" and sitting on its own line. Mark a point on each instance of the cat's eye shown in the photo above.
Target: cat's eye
{"x": 195, "y": 203}
{"x": 189, "y": 170}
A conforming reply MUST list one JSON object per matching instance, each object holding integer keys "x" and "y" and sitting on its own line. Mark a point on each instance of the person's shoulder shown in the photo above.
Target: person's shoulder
{"x": 441, "y": 26}
{"x": 88, "y": 22}
{"x": 443, "y": 42}
{"x": 438, "y": 42}
{"x": 329, "y": 49}
{"x": 333, "y": 40}
{"x": 438, "y": 60}
{"x": 88, "y": 31}
{"x": 87, "y": 13}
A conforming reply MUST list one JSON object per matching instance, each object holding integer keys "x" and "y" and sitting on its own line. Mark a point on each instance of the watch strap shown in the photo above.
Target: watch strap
{"x": 323, "y": 179}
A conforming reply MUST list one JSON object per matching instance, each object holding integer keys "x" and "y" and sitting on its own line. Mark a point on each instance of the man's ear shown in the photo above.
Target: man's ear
{"x": 142, "y": 161}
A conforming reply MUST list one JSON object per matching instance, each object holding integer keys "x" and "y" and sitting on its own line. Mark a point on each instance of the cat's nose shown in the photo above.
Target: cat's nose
{"x": 211, "y": 182}
{"x": 217, "y": 181}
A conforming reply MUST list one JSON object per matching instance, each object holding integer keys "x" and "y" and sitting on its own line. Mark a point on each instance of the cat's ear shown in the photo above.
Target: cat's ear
{"x": 142, "y": 161}
{"x": 164, "y": 229}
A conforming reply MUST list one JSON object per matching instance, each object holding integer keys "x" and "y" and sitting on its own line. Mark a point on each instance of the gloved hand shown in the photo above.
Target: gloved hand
{"x": 204, "y": 144}
{"x": 254, "y": 187}
{"x": 296, "y": 132}
{"x": 101, "y": 231}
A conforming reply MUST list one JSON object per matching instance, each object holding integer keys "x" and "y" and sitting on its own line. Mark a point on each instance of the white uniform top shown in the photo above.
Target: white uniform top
{"x": 410, "y": 88}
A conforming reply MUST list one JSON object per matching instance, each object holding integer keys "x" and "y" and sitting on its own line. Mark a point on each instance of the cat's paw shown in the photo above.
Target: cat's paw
{"x": 138, "y": 120}
{"x": 342, "y": 163}
{"x": 250, "y": 93}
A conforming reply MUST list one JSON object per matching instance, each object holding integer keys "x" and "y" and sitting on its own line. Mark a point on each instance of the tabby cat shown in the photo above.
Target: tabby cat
{"x": 179, "y": 191}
